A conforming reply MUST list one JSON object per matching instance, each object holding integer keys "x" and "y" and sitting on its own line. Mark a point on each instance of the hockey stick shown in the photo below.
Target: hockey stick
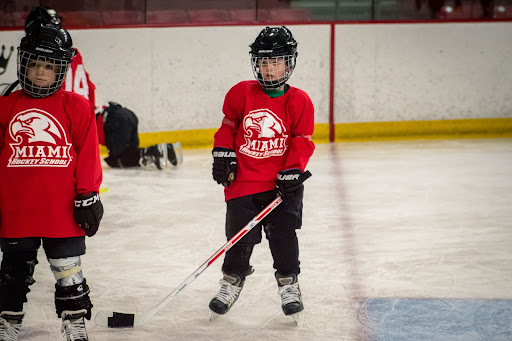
{"x": 112, "y": 319}
{"x": 11, "y": 88}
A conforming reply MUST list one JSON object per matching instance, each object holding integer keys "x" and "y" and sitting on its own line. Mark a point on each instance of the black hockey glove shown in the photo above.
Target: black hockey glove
{"x": 224, "y": 165}
{"x": 88, "y": 212}
{"x": 289, "y": 182}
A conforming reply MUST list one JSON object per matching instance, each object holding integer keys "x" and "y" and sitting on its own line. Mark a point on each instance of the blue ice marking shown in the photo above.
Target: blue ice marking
{"x": 437, "y": 319}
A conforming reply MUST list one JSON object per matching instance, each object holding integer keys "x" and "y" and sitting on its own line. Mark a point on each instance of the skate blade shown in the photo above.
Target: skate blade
{"x": 163, "y": 160}
{"x": 179, "y": 152}
{"x": 213, "y": 317}
{"x": 296, "y": 318}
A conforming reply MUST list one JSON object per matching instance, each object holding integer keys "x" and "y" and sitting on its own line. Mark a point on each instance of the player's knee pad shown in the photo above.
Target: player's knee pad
{"x": 279, "y": 232}
{"x": 67, "y": 271}
{"x": 284, "y": 246}
{"x": 74, "y": 297}
{"x": 16, "y": 274}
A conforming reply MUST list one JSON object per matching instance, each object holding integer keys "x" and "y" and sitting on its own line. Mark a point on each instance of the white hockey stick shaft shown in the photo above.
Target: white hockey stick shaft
{"x": 122, "y": 320}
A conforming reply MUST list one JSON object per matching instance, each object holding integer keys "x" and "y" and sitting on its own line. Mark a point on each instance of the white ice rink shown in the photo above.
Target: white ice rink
{"x": 401, "y": 240}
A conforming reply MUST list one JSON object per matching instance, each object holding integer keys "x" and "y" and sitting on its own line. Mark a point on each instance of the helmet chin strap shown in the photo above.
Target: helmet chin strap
{"x": 270, "y": 85}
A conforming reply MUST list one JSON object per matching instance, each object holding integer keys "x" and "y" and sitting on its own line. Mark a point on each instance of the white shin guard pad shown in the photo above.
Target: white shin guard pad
{"x": 67, "y": 271}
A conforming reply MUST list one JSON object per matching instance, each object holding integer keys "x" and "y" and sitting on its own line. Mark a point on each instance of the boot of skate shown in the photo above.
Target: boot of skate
{"x": 291, "y": 298}
{"x": 231, "y": 286}
{"x": 10, "y": 324}
{"x": 73, "y": 325}
{"x": 175, "y": 153}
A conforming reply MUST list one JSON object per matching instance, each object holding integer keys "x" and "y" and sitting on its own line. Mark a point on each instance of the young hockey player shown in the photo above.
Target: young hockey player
{"x": 77, "y": 79}
{"x": 51, "y": 173}
{"x": 118, "y": 131}
{"x": 264, "y": 144}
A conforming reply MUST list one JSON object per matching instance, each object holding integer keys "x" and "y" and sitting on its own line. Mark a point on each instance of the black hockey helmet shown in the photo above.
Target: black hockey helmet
{"x": 273, "y": 42}
{"x": 41, "y": 16}
{"x": 46, "y": 43}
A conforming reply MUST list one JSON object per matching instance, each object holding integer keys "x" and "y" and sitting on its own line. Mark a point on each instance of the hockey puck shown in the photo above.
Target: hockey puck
{"x": 120, "y": 320}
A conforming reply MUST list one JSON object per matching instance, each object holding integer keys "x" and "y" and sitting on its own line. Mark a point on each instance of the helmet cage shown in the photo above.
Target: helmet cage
{"x": 272, "y": 46}
{"x": 281, "y": 70}
{"x": 25, "y": 59}
{"x": 47, "y": 44}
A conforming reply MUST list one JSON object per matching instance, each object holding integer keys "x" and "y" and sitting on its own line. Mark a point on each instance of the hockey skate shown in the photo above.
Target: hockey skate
{"x": 10, "y": 324}
{"x": 290, "y": 295}
{"x": 175, "y": 153}
{"x": 73, "y": 325}
{"x": 231, "y": 286}
{"x": 156, "y": 154}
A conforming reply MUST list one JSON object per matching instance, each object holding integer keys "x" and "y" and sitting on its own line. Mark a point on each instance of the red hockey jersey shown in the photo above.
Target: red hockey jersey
{"x": 77, "y": 80}
{"x": 269, "y": 135}
{"x": 48, "y": 155}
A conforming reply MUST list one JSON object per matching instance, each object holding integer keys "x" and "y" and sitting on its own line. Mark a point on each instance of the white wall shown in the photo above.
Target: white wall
{"x": 423, "y": 71}
{"x": 176, "y": 78}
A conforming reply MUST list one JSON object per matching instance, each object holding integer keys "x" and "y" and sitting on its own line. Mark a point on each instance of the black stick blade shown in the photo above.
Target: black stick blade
{"x": 121, "y": 320}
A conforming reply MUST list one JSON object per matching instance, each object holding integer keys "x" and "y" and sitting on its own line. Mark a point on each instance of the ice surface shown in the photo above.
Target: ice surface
{"x": 383, "y": 222}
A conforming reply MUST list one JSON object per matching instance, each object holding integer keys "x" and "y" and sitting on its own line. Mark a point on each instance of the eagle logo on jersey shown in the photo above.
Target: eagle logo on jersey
{"x": 264, "y": 134}
{"x": 40, "y": 141}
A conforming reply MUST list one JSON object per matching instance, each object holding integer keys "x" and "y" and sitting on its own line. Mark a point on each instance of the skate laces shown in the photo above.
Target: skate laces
{"x": 74, "y": 329}
{"x": 9, "y": 331}
{"x": 289, "y": 293}
{"x": 147, "y": 157}
{"x": 228, "y": 292}
{"x": 153, "y": 155}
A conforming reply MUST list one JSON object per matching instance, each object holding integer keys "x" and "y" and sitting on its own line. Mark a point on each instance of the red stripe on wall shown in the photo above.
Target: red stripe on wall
{"x": 331, "y": 84}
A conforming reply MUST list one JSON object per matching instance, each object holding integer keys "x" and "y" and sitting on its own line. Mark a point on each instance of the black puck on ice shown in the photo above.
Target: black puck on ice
{"x": 120, "y": 320}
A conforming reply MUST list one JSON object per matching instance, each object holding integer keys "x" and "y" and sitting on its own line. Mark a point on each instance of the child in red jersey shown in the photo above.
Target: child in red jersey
{"x": 51, "y": 174}
{"x": 261, "y": 150}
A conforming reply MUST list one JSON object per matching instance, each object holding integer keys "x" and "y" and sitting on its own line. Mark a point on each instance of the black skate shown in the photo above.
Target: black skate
{"x": 290, "y": 295}
{"x": 10, "y": 324}
{"x": 231, "y": 285}
{"x": 73, "y": 325}
{"x": 156, "y": 154}
{"x": 174, "y": 153}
